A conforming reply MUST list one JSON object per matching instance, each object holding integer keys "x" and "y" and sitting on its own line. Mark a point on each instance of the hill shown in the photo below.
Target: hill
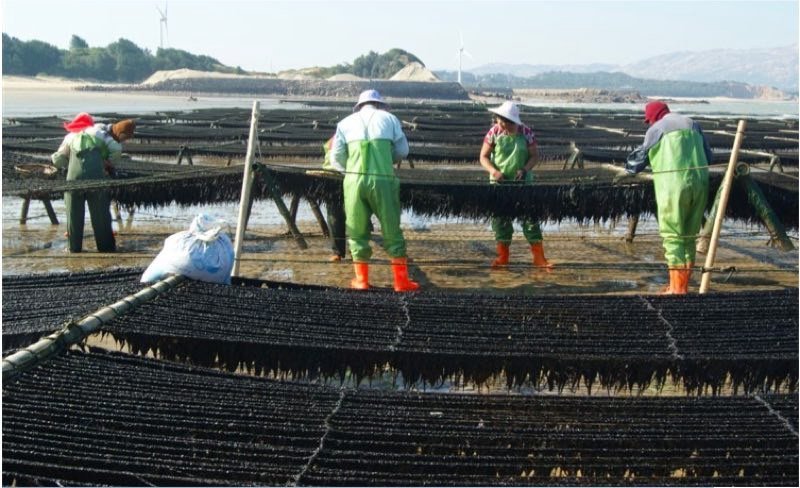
{"x": 776, "y": 67}
{"x": 772, "y": 67}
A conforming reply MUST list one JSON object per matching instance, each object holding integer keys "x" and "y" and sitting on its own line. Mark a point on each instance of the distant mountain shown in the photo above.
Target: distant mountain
{"x": 777, "y": 67}
{"x": 526, "y": 70}
{"x": 772, "y": 67}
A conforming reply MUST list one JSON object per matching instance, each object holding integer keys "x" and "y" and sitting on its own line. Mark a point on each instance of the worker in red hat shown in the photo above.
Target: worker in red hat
{"x": 89, "y": 152}
{"x": 678, "y": 153}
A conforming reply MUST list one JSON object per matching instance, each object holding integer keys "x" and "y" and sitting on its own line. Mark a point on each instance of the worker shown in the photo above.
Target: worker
{"x": 335, "y": 211}
{"x": 89, "y": 152}
{"x": 508, "y": 154}
{"x": 679, "y": 154}
{"x": 366, "y": 145}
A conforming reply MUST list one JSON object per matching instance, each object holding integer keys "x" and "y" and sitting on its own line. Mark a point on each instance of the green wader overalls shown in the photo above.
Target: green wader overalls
{"x": 370, "y": 187}
{"x": 86, "y": 162}
{"x": 680, "y": 179}
{"x": 509, "y": 155}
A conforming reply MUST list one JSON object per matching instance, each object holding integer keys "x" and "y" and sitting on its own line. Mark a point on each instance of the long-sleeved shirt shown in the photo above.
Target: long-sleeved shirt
{"x": 102, "y": 132}
{"x": 369, "y": 123}
{"x": 639, "y": 159}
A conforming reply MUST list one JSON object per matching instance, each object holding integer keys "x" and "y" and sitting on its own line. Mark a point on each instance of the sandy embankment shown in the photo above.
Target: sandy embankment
{"x": 45, "y": 83}
{"x": 53, "y": 83}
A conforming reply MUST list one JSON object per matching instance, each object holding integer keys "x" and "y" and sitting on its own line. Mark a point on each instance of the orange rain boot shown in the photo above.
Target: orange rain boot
{"x": 673, "y": 283}
{"x": 539, "y": 260}
{"x": 401, "y": 281}
{"x": 682, "y": 281}
{"x": 502, "y": 256}
{"x": 361, "y": 281}
{"x": 678, "y": 281}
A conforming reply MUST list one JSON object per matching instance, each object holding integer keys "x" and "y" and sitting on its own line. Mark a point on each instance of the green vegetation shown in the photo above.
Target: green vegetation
{"x": 123, "y": 61}
{"x": 373, "y": 65}
{"x": 120, "y": 61}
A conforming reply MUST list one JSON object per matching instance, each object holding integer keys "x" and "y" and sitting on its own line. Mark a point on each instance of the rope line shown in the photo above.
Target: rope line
{"x": 399, "y": 337}
{"x": 328, "y": 428}
{"x": 777, "y": 414}
{"x": 672, "y": 343}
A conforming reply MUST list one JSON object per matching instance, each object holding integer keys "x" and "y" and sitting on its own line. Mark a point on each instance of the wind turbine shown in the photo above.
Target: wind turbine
{"x": 163, "y": 23}
{"x": 459, "y": 53}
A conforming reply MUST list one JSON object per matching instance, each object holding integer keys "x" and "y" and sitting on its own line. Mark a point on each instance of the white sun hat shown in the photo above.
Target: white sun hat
{"x": 369, "y": 96}
{"x": 508, "y": 110}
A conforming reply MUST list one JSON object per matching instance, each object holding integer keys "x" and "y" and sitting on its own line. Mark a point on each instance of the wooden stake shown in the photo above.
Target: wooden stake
{"x": 247, "y": 186}
{"x": 723, "y": 204}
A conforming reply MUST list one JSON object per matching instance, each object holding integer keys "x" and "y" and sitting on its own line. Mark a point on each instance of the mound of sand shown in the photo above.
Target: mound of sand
{"x": 414, "y": 72}
{"x": 346, "y": 77}
{"x": 183, "y": 73}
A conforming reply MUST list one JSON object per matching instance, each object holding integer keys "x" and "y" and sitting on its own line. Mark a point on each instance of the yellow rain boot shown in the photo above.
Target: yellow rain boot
{"x": 537, "y": 250}
{"x": 401, "y": 281}
{"x": 361, "y": 281}
{"x": 502, "y": 256}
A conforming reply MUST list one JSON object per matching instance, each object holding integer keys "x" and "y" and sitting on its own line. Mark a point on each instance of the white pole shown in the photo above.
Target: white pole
{"x": 723, "y": 204}
{"x": 247, "y": 185}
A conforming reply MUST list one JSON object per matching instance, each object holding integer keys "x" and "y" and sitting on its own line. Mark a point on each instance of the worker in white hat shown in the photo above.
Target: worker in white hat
{"x": 508, "y": 154}
{"x": 366, "y": 145}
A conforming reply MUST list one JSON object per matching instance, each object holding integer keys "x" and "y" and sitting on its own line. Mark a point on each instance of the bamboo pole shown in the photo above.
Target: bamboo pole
{"x": 75, "y": 332}
{"x": 247, "y": 186}
{"x": 723, "y": 205}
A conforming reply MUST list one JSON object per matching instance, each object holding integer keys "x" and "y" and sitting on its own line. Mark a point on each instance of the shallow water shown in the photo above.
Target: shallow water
{"x": 446, "y": 254}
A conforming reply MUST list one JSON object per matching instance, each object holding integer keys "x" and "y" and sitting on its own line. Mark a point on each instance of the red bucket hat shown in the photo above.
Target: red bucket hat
{"x": 80, "y": 122}
{"x": 654, "y": 111}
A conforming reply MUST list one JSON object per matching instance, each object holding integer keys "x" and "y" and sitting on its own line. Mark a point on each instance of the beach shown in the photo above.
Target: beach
{"x": 587, "y": 252}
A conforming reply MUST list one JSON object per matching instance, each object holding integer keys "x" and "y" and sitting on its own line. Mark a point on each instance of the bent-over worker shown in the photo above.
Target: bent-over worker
{"x": 679, "y": 154}
{"x": 89, "y": 152}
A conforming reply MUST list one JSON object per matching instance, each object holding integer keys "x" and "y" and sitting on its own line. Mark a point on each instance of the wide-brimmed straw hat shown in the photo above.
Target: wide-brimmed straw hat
{"x": 508, "y": 110}
{"x": 80, "y": 122}
{"x": 369, "y": 96}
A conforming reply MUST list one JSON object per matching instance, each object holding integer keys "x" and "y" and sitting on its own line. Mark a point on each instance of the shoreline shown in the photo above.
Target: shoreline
{"x": 47, "y": 96}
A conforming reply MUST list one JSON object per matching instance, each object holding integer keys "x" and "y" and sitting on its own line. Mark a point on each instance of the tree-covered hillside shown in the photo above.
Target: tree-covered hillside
{"x": 120, "y": 61}
{"x": 371, "y": 65}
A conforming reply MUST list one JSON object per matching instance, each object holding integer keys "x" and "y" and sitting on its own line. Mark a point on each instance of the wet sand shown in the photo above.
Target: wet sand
{"x": 450, "y": 255}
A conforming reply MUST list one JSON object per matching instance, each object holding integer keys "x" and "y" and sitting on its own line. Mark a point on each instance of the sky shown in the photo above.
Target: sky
{"x": 271, "y": 36}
